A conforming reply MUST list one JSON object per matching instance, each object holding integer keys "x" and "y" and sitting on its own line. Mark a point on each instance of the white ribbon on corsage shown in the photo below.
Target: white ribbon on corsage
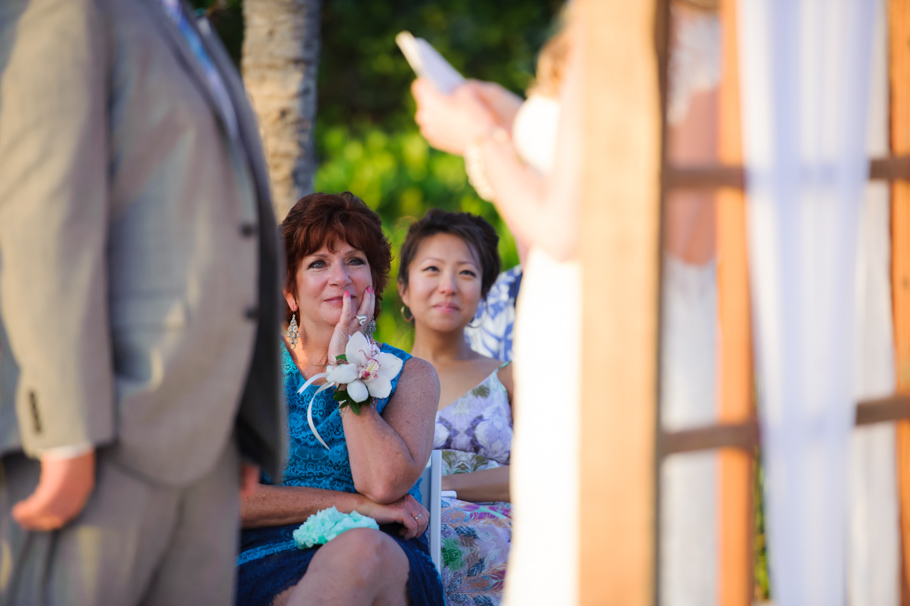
{"x": 364, "y": 370}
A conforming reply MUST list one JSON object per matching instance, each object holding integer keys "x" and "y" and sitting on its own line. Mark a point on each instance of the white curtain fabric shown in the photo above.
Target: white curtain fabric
{"x": 874, "y": 556}
{"x": 805, "y": 67}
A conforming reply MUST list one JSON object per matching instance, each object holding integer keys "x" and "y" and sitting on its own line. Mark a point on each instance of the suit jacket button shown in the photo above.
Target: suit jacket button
{"x": 247, "y": 230}
{"x": 251, "y": 313}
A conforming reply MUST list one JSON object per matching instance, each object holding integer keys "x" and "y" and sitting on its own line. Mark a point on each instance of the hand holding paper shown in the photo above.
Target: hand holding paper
{"x": 451, "y": 122}
{"x": 428, "y": 63}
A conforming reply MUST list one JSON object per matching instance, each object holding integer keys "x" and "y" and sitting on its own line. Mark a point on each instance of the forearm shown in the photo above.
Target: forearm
{"x": 545, "y": 210}
{"x": 480, "y": 486}
{"x": 383, "y": 467}
{"x": 278, "y": 505}
{"x": 503, "y": 103}
{"x": 521, "y": 197}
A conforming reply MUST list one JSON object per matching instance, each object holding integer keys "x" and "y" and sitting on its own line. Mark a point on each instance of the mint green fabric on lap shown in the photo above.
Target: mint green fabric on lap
{"x": 325, "y": 525}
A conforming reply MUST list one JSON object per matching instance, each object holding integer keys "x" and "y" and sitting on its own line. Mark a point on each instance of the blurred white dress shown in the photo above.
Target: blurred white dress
{"x": 688, "y": 499}
{"x": 543, "y": 563}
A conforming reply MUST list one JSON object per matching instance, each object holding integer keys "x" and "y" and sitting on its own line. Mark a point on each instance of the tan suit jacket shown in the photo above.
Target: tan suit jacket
{"x": 139, "y": 258}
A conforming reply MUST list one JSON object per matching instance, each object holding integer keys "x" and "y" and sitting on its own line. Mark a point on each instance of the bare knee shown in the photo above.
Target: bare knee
{"x": 364, "y": 556}
{"x": 284, "y": 598}
{"x": 360, "y": 566}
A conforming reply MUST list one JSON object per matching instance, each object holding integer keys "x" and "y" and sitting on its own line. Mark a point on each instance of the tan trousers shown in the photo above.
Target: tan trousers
{"x": 135, "y": 542}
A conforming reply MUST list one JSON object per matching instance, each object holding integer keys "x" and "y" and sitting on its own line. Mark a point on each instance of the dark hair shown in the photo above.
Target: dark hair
{"x": 473, "y": 230}
{"x": 319, "y": 220}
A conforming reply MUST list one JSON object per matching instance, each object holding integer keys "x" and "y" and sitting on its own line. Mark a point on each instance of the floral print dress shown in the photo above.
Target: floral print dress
{"x": 475, "y": 432}
{"x": 493, "y": 325}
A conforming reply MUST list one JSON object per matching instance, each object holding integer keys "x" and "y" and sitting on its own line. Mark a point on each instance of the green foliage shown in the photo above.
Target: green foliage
{"x": 365, "y": 133}
{"x": 760, "y": 551}
{"x": 366, "y": 138}
{"x": 363, "y": 74}
{"x": 400, "y": 177}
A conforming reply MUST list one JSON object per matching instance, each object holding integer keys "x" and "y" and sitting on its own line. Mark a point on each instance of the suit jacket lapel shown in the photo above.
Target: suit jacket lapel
{"x": 247, "y": 125}
{"x": 165, "y": 25}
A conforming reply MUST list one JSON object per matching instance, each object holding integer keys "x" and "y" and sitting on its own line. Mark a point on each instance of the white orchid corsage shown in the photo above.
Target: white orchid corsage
{"x": 361, "y": 372}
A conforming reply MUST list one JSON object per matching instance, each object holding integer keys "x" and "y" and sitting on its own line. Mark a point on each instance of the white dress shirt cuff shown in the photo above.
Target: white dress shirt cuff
{"x": 66, "y": 452}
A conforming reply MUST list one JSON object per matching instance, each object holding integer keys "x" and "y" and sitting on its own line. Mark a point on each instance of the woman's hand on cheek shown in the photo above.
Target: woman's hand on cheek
{"x": 367, "y": 307}
{"x": 342, "y": 330}
{"x": 349, "y": 323}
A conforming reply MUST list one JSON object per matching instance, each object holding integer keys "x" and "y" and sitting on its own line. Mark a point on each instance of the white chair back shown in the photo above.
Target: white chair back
{"x": 430, "y": 490}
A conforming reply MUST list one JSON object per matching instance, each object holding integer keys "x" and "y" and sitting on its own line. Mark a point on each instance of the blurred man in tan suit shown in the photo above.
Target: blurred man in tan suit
{"x": 139, "y": 305}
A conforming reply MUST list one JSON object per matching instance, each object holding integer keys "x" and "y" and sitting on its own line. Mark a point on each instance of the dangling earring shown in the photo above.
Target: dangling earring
{"x": 369, "y": 329}
{"x": 406, "y": 314}
{"x": 478, "y": 317}
{"x": 293, "y": 331}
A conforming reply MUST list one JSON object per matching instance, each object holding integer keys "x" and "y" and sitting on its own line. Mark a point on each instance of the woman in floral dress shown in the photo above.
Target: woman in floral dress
{"x": 449, "y": 261}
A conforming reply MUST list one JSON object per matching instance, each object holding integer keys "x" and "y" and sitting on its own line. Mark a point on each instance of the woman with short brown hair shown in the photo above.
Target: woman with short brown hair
{"x": 366, "y": 457}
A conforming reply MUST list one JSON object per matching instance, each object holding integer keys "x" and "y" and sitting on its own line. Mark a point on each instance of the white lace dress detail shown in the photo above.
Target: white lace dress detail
{"x": 694, "y": 61}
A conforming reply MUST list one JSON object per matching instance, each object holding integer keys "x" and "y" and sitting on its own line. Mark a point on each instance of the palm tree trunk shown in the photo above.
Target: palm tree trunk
{"x": 280, "y": 61}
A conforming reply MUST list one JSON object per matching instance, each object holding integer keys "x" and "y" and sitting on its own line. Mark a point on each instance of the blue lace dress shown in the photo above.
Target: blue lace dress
{"x": 269, "y": 560}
